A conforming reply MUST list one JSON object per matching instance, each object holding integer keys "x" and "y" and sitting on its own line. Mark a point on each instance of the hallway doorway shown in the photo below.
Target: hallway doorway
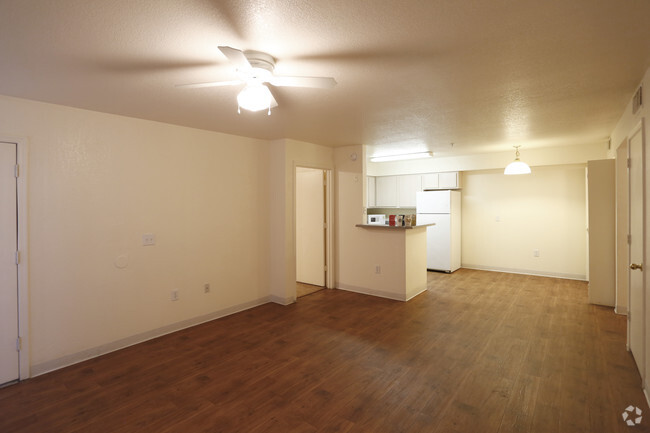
{"x": 311, "y": 230}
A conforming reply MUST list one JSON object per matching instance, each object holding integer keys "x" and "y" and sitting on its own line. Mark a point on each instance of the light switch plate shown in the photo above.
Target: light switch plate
{"x": 148, "y": 239}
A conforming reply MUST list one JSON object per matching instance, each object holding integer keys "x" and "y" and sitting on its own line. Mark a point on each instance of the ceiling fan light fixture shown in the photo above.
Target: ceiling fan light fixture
{"x": 255, "y": 97}
{"x": 517, "y": 166}
{"x": 401, "y": 157}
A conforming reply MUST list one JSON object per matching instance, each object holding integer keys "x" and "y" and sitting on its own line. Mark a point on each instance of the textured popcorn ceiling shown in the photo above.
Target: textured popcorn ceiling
{"x": 412, "y": 75}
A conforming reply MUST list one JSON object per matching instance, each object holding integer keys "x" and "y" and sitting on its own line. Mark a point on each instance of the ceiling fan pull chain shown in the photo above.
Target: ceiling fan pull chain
{"x": 238, "y": 109}
{"x": 269, "y": 110}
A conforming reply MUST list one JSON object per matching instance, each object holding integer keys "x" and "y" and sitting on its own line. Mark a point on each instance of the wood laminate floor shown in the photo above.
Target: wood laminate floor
{"x": 479, "y": 352}
{"x": 304, "y": 289}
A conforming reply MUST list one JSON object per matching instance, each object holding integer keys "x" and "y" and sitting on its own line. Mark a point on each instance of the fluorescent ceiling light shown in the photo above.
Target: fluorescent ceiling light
{"x": 401, "y": 157}
{"x": 517, "y": 166}
{"x": 255, "y": 97}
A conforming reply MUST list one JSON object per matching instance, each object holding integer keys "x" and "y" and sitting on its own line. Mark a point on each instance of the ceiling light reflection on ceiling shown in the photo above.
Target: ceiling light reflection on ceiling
{"x": 401, "y": 157}
{"x": 255, "y": 97}
{"x": 517, "y": 166}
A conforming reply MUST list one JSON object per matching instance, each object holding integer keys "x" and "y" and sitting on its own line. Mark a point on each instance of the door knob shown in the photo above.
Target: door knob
{"x": 635, "y": 266}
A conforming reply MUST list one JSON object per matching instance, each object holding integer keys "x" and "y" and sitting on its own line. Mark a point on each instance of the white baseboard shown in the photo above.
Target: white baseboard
{"x": 413, "y": 293}
{"x": 281, "y": 301}
{"x": 65, "y": 361}
{"x": 379, "y": 293}
{"x": 580, "y": 277}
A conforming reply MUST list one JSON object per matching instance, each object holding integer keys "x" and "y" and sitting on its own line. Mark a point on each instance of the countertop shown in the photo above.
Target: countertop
{"x": 386, "y": 226}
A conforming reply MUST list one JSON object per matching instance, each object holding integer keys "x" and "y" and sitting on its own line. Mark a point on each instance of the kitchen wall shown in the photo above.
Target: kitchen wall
{"x": 507, "y": 218}
{"x": 97, "y": 183}
{"x": 570, "y": 154}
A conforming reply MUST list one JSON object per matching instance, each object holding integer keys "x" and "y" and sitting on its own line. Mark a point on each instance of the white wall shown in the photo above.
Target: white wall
{"x": 97, "y": 182}
{"x": 506, "y": 218}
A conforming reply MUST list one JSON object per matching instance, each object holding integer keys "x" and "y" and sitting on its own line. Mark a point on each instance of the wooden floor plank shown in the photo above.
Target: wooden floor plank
{"x": 479, "y": 351}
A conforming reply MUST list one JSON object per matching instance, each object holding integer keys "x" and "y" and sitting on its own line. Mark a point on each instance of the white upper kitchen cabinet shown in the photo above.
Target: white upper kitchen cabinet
{"x": 430, "y": 181}
{"x": 448, "y": 180}
{"x": 386, "y": 191}
{"x": 407, "y": 187}
{"x": 372, "y": 202}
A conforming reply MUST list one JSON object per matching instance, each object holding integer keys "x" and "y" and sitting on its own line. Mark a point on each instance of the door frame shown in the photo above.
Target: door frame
{"x": 316, "y": 271}
{"x": 23, "y": 265}
{"x": 622, "y": 229}
{"x": 329, "y": 212}
{"x": 638, "y": 128}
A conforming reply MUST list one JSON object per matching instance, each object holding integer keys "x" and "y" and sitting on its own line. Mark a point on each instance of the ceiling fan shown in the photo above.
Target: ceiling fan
{"x": 256, "y": 69}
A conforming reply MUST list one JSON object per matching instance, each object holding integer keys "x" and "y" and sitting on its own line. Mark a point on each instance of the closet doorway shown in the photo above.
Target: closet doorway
{"x": 311, "y": 230}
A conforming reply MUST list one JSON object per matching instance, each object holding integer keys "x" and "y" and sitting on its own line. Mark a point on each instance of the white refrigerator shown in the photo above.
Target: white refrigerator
{"x": 443, "y": 239}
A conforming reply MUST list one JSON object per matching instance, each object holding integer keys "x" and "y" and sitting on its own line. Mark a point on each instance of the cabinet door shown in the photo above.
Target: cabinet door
{"x": 448, "y": 180}
{"x": 386, "y": 191}
{"x": 371, "y": 192}
{"x": 430, "y": 181}
{"x": 408, "y": 186}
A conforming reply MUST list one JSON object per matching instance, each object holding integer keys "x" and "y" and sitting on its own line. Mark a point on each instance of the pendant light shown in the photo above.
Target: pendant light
{"x": 517, "y": 166}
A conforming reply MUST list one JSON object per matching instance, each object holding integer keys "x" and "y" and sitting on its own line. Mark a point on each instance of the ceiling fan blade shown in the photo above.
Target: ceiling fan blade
{"x": 236, "y": 57}
{"x": 316, "y": 82}
{"x": 210, "y": 84}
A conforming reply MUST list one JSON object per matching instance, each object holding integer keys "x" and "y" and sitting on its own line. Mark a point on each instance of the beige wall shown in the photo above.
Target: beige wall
{"x": 625, "y": 125}
{"x": 282, "y": 159}
{"x": 360, "y": 250}
{"x": 506, "y": 218}
{"x": 627, "y": 122}
{"x": 622, "y": 229}
{"x": 601, "y": 207}
{"x": 569, "y": 154}
{"x": 97, "y": 183}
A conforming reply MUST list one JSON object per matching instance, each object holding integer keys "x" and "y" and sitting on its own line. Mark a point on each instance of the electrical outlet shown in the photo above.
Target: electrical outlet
{"x": 206, "y": 288}
{"x": 174, "y": 295}
{"x": 148, "y": 239}
{"x": 377, "y": 269}
{"x": 535, "y": 253}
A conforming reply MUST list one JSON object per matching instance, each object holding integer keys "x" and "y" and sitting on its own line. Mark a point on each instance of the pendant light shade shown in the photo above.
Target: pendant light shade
{"x": 517, "y": 166}
{"x": 255, "y": 97}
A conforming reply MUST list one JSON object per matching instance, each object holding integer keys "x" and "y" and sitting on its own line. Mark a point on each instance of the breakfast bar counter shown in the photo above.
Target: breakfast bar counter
{"x": 386, "y": 226}
{"x": 391, "y": 261}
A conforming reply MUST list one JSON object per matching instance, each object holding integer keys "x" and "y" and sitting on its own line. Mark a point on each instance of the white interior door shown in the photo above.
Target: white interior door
{"x": 9, "y": 367}
{"x": 636, "y": 315}
{"x": 310, "y": 226}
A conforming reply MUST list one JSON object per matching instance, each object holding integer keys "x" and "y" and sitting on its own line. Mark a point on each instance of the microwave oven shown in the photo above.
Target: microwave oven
{"x": 377, "y": 219}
